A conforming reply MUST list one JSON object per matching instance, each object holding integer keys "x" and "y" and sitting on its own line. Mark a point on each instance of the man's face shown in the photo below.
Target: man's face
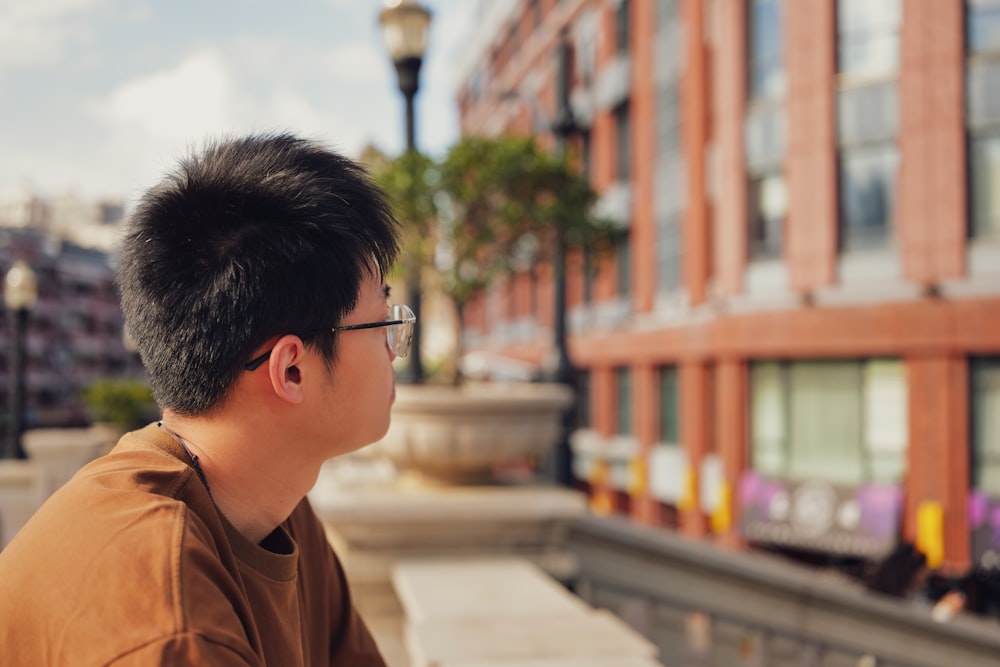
{"x": 361, "y": 386}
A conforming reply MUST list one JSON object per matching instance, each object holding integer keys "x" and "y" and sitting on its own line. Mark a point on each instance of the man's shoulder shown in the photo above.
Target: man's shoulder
{"x": 130, "y": 505}
{"x": 106, "y": 558}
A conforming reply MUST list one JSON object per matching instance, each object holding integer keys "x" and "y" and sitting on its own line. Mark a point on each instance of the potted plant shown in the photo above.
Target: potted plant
{"x": 117, "y": 405}
{"x": 488, "y": 206}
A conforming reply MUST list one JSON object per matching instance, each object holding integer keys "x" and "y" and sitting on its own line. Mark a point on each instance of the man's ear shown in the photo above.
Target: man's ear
{"x": 285, "y": 368}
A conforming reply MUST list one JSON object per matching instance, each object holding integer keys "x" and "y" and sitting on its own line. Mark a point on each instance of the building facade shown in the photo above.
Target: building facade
{"x": 74, "y": 334}
{"x": 798, "y": 343}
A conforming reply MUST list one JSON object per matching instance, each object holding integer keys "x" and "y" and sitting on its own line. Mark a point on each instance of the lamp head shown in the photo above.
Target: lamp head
{"x": 20, "y": 289}
{"x": 404, "y": 29}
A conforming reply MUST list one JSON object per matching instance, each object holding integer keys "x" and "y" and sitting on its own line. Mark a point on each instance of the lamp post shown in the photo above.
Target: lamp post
{"x": 564, "y": 126}
{"x": 20, "y": 295}
{"x": 404, "y": 29}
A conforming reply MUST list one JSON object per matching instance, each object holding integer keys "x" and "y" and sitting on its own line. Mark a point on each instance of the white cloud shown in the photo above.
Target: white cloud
{"x": 39, "y": 31}
{"x": 358, "y": 62}
{"x": 191, "y": 99}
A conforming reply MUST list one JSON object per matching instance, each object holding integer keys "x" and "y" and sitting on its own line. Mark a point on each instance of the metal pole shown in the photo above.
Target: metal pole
{"x": 411, "y": 142}
{"x": 413, "y": 292}
{"x": 15, "y": 424}
{"x": 563, "y": 127}
{"x": 408, "y": 77}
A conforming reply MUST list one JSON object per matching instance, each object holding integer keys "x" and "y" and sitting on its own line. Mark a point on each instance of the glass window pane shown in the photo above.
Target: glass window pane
{"x": 622, "y": 26}
{"x": 668, "y": 246}
{"x": 982, "y": 92}
{"x": 986, "y": 426}
{"x": 666, "y": 11}
{"x": 854, "y": 16}
{"x": 886, "y": 419}
{"x": 623, "y": 266}
{"x": 768, "y": 419}
{"x": 985, "y": 151}
{"x": 825, "y": 407}
{"x": 766, "y": 60}
{"x": 868, "y": 113}
{"x": 869, "y": 55}
{"x": 982, "y": 25}
{"x": 868, "y": 37}
{"x": 623, "y": 155}
{"x": 669, "y": 401}
{"x": 623, "y": 380}
{"x": 867, "y": 194}
{"x": 767, "y": 208}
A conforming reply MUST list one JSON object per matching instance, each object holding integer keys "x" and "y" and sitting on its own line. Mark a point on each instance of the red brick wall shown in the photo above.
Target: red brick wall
{"x": 729, "y": 95}
{"x": 931, "y": 194}
{"x": 811, "y": 232}
{"x": 695, "y": 401}
{"x": 694, "y": 110}
{"x": 643, "y": 111}
{"x": 939, "y": 449}
{"x": 731, "y": 401}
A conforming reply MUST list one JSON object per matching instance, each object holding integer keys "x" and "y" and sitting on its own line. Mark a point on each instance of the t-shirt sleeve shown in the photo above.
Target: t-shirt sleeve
{"x": 185, "y": 649}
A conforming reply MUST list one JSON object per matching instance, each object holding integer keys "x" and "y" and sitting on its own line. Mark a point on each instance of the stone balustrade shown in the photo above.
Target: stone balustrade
{"x": 506, "y": 612}
{"x": 54, "y": 455}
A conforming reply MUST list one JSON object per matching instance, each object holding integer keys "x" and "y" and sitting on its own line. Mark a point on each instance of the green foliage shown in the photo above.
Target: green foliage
{"x": 121, "y": 401}
{"x": 489, "y": 206}
{"x": 409, "y": 182}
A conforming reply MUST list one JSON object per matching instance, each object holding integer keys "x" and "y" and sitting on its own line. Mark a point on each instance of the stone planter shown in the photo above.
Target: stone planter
{"x": 462, "y": 433}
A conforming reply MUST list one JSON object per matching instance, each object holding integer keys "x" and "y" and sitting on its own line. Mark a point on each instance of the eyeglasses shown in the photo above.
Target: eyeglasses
{"x": 398, "y": 333}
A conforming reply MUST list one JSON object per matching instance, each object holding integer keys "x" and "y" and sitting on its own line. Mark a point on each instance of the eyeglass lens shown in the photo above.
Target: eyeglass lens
{"x": 399, "y": 335}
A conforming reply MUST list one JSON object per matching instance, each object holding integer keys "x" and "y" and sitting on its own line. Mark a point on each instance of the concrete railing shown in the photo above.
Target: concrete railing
{"x": 54, "y": 455}
{"x": 707, "y": 606}
{"x": 506, "y": 612}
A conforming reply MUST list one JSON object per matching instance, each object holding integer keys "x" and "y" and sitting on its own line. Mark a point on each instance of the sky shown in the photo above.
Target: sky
{"x": 99, "y": 97}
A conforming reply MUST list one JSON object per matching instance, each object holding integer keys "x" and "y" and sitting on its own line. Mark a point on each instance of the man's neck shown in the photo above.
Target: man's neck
{"x": 254, "y": 479}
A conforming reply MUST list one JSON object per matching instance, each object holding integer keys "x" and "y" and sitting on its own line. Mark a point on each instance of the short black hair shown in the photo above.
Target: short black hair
{"x": 255, "y": 237}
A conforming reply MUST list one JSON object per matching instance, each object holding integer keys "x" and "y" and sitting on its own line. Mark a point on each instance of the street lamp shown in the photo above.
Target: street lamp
{"x": 20, "y": 295}
{"x": 564, "y": 126}
{"x": 404, "y": 28}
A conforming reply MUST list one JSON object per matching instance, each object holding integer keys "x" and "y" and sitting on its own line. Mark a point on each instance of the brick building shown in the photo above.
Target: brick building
{"x": 74, "y": 333}
{"x": 798, "y": 344}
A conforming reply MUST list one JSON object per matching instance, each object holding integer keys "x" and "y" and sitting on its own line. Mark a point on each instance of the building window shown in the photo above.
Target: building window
{"x": 670, "y": 176}
{"x": 589, "y": 274}
{"x": 623, "y": 385}
{"x": 843, "y": 422}
{"x": 587, "y": 154}
{"x": 768, "y": 205}
{"x": 986, "y": 426}
{"x": 623, "y": 266}
{"x": 867, "y": 119}
{"x": 622, "y": 26}
{"x": 868, "y": 38}
{"x": 668, "y": 250}
{"x": 867, "y": 193}
{"x": 587, "y": 52}
{"x": 767, "y": 201}
{"x": 623, "y": 149}
{"x": 766, "y": 61}
{"x": 669, "y": 412}
{"x": 982, "y": 19}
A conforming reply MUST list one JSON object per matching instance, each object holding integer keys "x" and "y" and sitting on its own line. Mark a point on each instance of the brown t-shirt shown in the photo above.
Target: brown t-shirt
{"x": 131, "y": 563}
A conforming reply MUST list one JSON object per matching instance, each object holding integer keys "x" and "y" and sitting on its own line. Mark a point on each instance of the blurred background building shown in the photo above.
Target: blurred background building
{"x": 797, "y": 344}
{"x": 73, "y": 334}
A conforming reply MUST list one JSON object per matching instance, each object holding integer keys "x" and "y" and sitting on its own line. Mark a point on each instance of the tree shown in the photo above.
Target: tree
{"x": 490, "y": 206}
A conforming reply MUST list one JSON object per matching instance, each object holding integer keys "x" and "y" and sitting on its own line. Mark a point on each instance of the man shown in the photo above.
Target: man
{"x": 251, "y": 281}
